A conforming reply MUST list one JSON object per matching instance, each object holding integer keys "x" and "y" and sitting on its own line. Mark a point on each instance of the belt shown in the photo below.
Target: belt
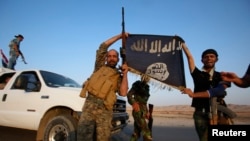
{"x": 94, "y": 99}
{"x": 202, "y": 110}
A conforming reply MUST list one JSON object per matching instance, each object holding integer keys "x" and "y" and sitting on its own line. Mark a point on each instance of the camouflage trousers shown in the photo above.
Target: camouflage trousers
{"x": 201, "y": 122}
{"x": 95, "y": 121}
{"x": 140, "y": 126}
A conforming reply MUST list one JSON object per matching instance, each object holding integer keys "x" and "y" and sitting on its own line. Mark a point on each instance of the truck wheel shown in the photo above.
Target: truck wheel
{"x": 61, "y": 128}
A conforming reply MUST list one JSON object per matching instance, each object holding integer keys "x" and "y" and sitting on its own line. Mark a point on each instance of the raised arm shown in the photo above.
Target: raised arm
{"x": 113, "y": 39}
{"x": 124, "y": 83}
{"x": 101, "y": 53}
{"x": 189, "y": 56}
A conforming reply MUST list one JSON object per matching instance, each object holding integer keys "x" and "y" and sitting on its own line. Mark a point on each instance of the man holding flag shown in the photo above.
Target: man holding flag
{"x": 205, "y": 79}
{"x": 100, "y": 93}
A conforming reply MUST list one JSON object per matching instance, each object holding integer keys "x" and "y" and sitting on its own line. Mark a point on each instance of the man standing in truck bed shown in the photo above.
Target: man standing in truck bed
{"x": 101, "y": 90}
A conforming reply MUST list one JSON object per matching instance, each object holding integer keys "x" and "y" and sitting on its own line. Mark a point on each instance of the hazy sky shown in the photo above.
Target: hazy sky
{"x": 62, "y": 35}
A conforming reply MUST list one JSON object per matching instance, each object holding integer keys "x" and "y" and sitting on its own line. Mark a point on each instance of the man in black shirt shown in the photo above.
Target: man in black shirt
{"x": 203, "y": 79}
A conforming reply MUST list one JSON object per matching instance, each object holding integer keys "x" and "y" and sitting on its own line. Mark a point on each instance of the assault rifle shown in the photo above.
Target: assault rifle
{"x": 213, "y": 115}
{"x": 122, "y": 49}
{"x": 150, "y": 119}
{"x": 219, "y": 113}
{"x": 22, "y": 56}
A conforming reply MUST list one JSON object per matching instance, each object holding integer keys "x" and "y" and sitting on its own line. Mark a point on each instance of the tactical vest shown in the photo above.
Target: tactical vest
{"x": 103, "y": 84}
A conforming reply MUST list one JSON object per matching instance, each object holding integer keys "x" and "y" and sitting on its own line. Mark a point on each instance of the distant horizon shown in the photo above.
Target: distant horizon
{"x": 191, "y": 106}
{"x": 63, "y": 36}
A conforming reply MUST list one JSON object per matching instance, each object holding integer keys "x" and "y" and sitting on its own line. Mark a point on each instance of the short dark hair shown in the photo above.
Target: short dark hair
{"x": 19, "y": 35}
{"x": 209, "y": 51}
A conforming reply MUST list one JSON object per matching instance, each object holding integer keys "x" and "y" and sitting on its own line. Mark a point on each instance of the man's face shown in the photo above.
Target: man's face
{"x": 20, "y": 38}
{"x": 112, "y": 58}
{"x": 209, "y": 60}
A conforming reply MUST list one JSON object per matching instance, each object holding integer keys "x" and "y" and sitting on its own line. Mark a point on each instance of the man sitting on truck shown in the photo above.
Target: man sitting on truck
{"x": 6, "y": 80}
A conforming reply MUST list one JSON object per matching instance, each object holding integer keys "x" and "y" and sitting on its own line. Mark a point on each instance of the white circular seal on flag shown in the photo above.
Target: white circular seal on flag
{"x": 158, "y": 71}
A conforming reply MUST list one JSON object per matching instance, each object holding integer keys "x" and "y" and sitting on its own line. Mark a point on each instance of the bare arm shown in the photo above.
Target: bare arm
{"x": 189, "y": 56}
{"x": 243, "y": 82}
{"x": 212, "y": 92}
{"x": 203, "y": 94}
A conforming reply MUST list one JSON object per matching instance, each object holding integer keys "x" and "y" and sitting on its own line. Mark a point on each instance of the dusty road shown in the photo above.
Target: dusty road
{"x": 159, "y": 134}
{"x": 167, "y": 126}
{"x": 162, "y": 133}
{"x": 163, "y": 129}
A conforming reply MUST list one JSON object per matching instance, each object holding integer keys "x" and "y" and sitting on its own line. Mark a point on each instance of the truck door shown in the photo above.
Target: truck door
{"x": 19, "y": 105}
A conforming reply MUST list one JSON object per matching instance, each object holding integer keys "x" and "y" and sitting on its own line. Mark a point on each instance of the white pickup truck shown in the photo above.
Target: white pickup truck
{"x": 48, "y": 103}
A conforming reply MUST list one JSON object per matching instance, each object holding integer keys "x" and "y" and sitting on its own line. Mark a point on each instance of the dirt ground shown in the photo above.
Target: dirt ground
{"x": 172, "y": 129}
{"x": 161, "y": 132}
{"x": 172, "y": 123}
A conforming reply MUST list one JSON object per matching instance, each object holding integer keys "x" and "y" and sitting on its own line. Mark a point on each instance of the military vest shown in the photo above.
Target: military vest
{"x": 103, "y": 84}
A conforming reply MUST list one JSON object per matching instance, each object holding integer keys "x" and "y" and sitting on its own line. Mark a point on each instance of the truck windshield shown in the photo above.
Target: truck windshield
{"x": 57, "y": 80}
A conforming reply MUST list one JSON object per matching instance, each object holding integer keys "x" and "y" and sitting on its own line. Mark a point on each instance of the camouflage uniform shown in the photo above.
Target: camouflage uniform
{"x": 140, "y": 93}
{"x": 95, "y": 121}
{"x": 12, "y": 53}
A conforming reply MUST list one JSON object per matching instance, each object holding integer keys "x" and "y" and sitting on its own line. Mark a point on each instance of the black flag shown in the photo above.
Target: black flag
{"x": 160, "y": 57}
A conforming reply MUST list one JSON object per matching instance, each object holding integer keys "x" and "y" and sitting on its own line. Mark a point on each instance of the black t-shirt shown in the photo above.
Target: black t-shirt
{"x": 202, "y": 83}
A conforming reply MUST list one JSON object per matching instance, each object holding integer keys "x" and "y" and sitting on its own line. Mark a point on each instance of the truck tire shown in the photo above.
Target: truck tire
{"x": 61, "y": 128}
